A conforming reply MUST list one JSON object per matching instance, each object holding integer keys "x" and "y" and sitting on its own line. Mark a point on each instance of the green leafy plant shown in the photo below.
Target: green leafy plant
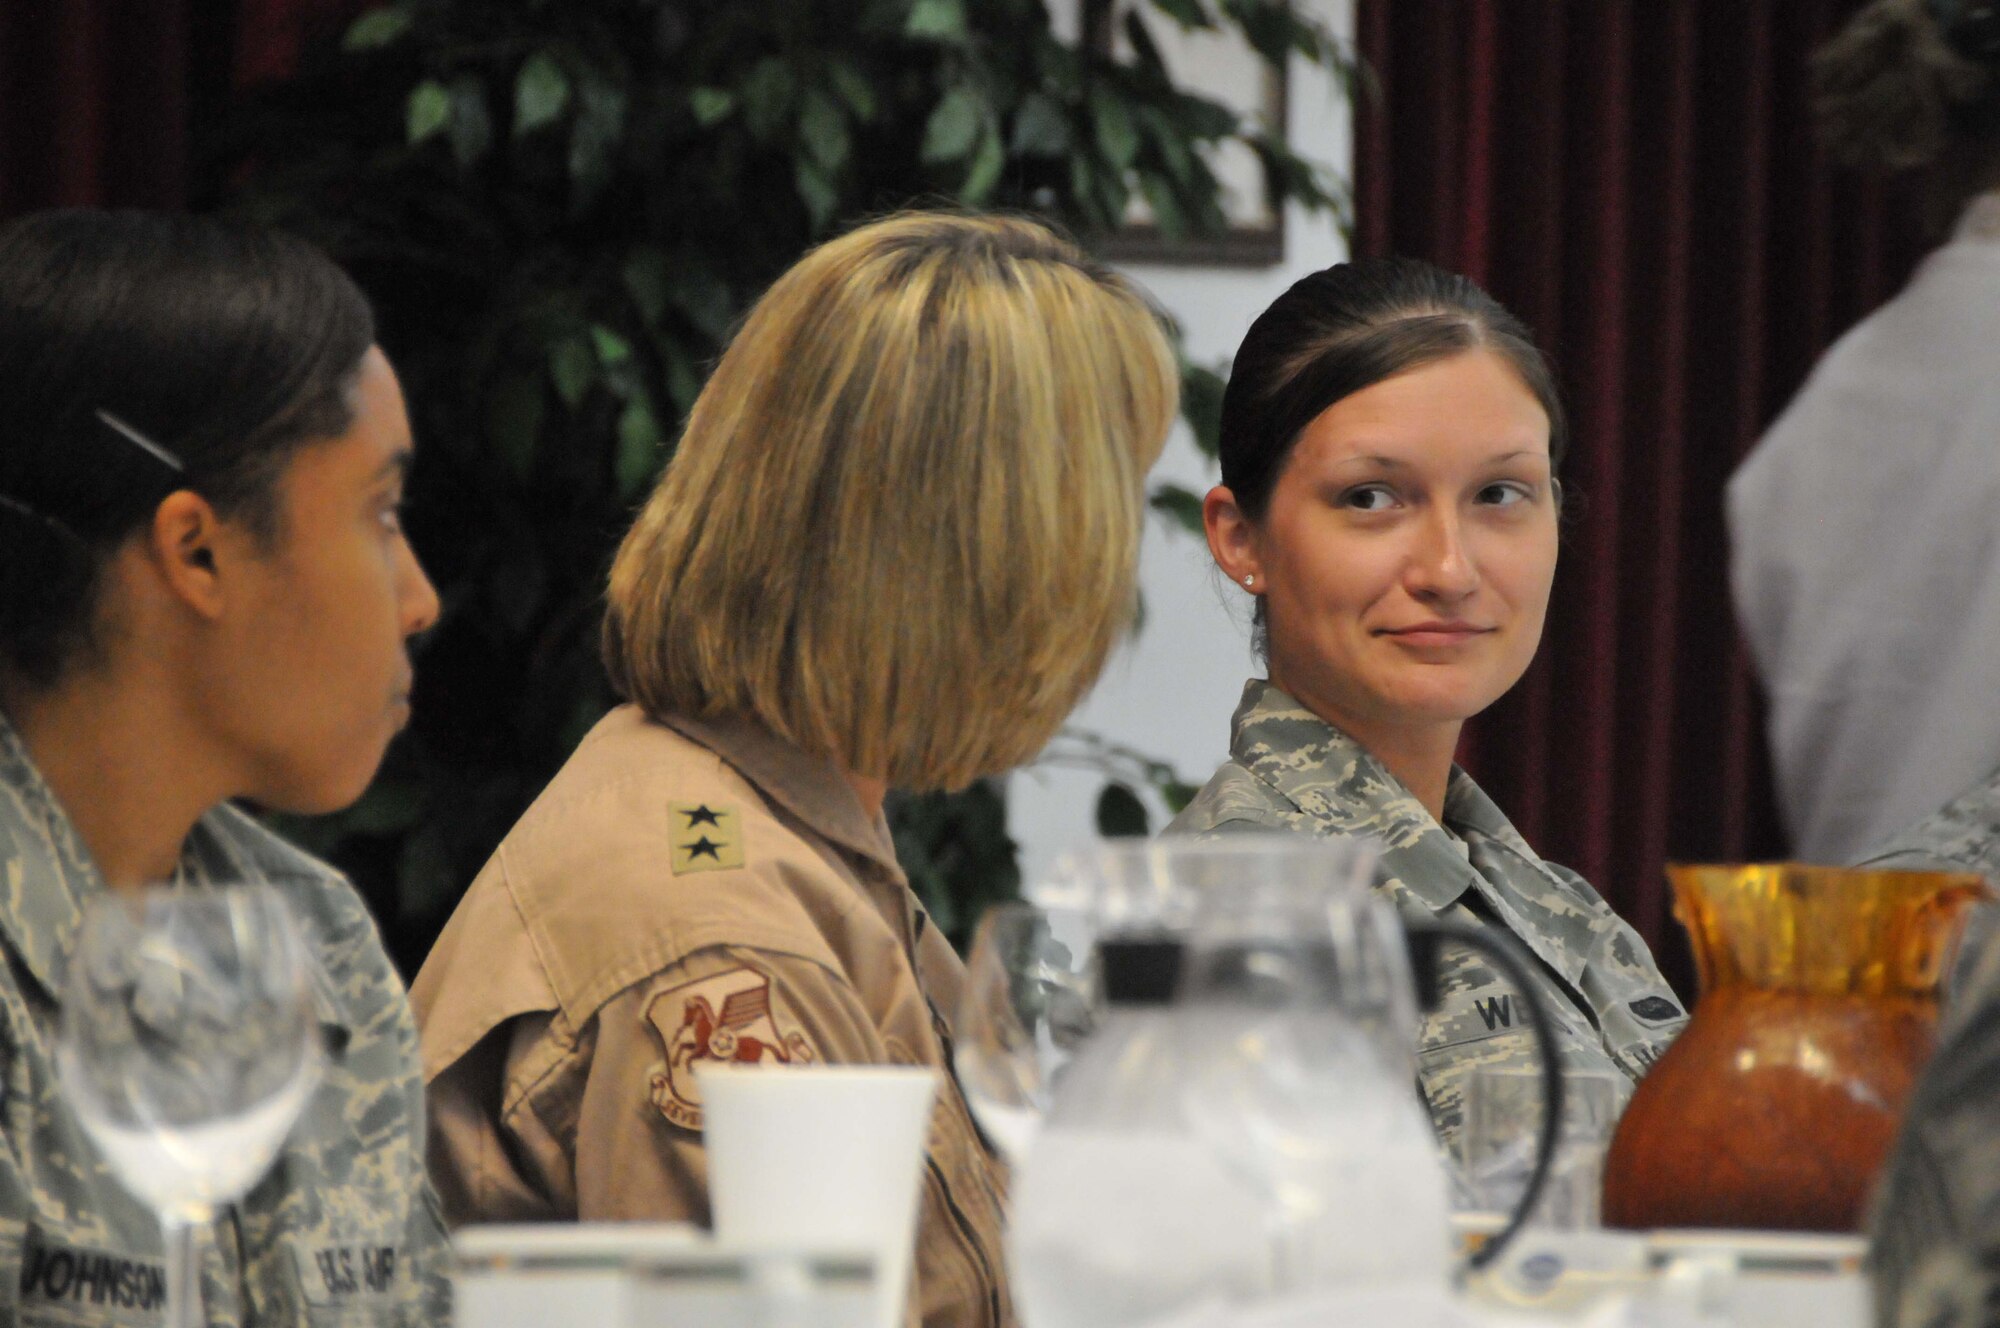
{"x": 560, "y": 207}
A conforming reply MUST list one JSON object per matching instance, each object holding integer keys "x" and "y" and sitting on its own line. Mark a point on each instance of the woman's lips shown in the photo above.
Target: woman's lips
{"x": 1436, "y": 634}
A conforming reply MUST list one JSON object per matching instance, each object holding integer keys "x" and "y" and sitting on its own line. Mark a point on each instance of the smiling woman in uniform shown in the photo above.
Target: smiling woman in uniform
{"x": 1390, "y": 441}
{"x": 205, "y": 595}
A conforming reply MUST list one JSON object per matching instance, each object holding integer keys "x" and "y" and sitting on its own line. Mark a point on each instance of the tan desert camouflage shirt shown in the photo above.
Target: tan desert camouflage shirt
{"x": 344, "y": 1230}
{"x": 1613, "y": 1012}
{"x": 683, "y": 892}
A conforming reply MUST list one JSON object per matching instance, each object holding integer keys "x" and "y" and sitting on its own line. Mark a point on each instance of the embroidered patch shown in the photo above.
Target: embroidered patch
{"x": 1655, "y": 1009}
{"x": 726, "y": 1018}
{"x": 706, "y": 837}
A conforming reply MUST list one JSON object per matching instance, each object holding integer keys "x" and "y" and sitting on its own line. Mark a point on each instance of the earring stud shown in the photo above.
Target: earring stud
{"x": 1249, "y": 579}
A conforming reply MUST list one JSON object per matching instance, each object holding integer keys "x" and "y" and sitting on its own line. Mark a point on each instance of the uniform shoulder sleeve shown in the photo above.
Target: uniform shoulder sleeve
{"x": 627, "y": 1113}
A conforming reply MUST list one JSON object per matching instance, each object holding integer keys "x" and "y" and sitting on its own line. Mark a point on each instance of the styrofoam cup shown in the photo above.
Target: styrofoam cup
{"x": 820, "y": 1158}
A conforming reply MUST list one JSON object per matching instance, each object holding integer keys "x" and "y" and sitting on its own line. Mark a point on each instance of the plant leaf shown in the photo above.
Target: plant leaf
{"x": 1201, "y": 406}
{"x": 612, "y": 349}
{"x": 541, "y": 93}
{"x": 711, "y": 105}
{"x": 376, "y": 29}
{"x": 1188, "y": 13}
{"x": 600, "y": 124}
{"x": 429, "y": 110}
{"x": 1117, "y": 137}
{"x": 638, "y": 447}
{"x": 1120, "y": 814}
{"x": 573, "y": 368}
{"x": 854, "y": 89}
{"x": 953, "y": 129}
{"x": 471, "y": 126}
{"x": 823, "y": 131}
{"x": 703, "y": 296}
{"x": 936, "y": 20}
{"x": 649, "y": 282}
{"x": 1040, "y": 127}
{"x": 1182, "y": 505}
{"x": 987, "y": 164}
{"x": 768, "y": 93}
{"x": 821, "y": 197}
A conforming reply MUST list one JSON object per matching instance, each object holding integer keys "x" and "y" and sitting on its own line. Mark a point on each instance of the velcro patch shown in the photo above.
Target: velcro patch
{"x": 1655, "y": 1009}
{"x": 706, "y": 837}
{"x": 727, "y": 1018}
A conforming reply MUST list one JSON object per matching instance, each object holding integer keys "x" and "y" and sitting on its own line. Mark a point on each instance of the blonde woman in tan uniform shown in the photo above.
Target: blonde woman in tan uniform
{"x": 894, "y": 548}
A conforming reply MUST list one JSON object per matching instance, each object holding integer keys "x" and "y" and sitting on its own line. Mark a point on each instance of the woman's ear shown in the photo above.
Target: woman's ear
{"x": 1232, "y": 539}
{"x": 183, "y": 546}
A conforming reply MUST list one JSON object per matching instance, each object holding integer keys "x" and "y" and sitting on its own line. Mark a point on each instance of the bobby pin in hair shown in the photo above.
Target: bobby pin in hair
{"x": 141, "y": 441}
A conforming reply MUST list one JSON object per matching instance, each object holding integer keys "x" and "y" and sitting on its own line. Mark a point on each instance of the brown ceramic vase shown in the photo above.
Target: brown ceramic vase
{"x": 1819, "y": 1003}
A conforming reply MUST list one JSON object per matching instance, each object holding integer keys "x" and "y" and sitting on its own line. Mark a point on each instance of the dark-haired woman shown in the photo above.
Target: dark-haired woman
{"x": 1390, "y": 439}
{"x": 204, "y": 596}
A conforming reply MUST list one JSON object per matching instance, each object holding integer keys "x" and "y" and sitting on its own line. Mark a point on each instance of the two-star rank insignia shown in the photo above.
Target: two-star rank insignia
{"x": 706, "y": 837}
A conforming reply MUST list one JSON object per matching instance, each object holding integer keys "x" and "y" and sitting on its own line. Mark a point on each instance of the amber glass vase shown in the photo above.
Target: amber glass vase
{"x": 1819, "y": 1005}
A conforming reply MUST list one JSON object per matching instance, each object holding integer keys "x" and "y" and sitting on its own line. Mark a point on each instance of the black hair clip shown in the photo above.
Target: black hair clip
{"x": 141, "y": 441}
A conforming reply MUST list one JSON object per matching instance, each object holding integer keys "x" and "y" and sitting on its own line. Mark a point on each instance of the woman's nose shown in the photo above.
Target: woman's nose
{"x": 419, "y": 597}
{"x": 1442, "y": 567}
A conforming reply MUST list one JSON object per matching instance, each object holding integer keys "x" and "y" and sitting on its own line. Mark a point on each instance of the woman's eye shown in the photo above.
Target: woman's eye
{"x": 1504, "y": 495}
{"x": 392, "y": 517}
{"x": 1368, "y": 498}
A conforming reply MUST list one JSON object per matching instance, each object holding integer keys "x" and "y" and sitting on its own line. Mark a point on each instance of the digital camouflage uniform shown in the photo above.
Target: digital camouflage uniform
{"x": 1612, "y": 1011}
{"x": 1936, "y": 1227}
{"x": 344, "y": 1230}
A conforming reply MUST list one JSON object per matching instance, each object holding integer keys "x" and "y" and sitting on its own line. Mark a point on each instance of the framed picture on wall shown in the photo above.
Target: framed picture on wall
{"x": 1224, "y": 68}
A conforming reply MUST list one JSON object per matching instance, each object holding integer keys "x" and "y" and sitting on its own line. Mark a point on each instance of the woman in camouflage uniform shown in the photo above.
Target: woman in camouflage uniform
{"x": 204, "y": 595}
{"x": 1390, "y": 439}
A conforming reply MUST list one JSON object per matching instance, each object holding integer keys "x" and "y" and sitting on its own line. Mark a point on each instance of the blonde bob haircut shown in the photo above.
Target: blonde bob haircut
{"x": 901, "y": 527}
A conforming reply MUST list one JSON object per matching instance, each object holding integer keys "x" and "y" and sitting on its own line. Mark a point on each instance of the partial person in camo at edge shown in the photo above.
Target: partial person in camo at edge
{"x": 894, "y": 547}
{"x": 205, "y": 595}
{"x": 1389, "y": 446}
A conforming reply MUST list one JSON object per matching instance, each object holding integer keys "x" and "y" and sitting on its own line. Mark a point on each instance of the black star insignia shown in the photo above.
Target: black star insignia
{"x": 703, "y": 816}
{"x": 704, "y": 848}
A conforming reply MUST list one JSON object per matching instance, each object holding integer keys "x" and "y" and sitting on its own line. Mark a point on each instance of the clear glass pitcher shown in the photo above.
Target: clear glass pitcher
{"x": 1242, "y": 1123}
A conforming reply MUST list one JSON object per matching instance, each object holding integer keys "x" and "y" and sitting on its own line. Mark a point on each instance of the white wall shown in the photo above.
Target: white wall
{"x": 1171, "y": 691}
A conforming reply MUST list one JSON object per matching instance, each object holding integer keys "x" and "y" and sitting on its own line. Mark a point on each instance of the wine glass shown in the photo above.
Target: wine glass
{"x": 1030, "y": 998}
{"x": 189, "y": 1045}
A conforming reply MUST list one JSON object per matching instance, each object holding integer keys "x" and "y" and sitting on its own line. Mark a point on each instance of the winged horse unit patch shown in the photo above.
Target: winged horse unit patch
{"x": 725, "y": 1018}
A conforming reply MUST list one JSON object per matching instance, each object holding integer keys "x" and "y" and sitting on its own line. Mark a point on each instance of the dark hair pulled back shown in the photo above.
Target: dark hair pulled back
{"x": 229, "y": 347}
{"x": 1348, "y": 327}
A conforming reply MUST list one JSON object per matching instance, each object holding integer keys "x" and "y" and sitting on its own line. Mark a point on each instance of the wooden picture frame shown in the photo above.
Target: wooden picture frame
{"x": 1237, "y": 76}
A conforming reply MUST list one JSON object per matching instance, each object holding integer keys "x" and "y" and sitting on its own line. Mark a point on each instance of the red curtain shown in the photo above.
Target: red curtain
{"x": 105, "y": 100}
{"x": 1636, "y": 179}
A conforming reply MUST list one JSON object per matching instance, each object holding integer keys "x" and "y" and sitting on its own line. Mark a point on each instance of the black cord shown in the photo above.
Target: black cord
{"x": 1514, "y": 961}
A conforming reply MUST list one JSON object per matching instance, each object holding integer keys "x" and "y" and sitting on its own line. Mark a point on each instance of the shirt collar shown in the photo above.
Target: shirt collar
{"x": 49, "y": 876}
{"x": 1336, "y": 782}
{"x": 47, "y": 880}
{"x": 1332, "y": 779}
{"x": 811, "y": 788}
